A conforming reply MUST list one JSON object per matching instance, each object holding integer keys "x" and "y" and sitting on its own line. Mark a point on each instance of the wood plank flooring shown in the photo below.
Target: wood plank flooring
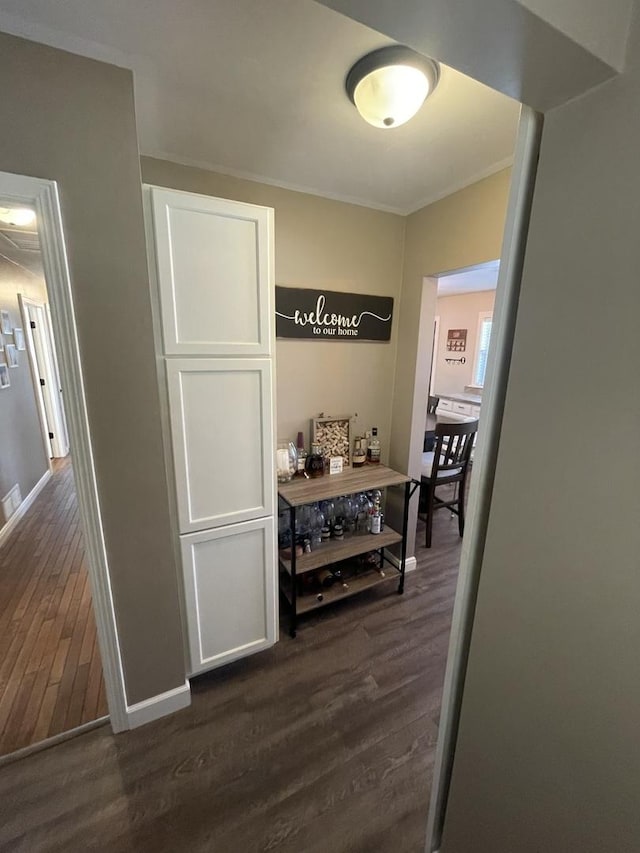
{"x": 323, "y": 744}
{"x": 50, "y": 669}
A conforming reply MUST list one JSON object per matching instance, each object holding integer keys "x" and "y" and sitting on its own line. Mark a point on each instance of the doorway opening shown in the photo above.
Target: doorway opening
{"x": 464, "y": 304}
{"x": 60, "y": 669}
{"x": 51, "y": 678}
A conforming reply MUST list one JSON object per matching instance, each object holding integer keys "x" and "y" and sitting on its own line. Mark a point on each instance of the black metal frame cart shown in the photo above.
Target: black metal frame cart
{"x": 300, "y": 492}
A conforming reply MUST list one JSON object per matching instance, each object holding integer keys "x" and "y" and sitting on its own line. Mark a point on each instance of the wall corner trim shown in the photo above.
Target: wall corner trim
{"x": 159, "y": 706}
{"x": 24, "y": 506}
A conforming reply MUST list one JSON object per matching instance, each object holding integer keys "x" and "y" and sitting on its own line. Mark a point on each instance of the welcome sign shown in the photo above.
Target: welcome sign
{"x": 331, "y": 316}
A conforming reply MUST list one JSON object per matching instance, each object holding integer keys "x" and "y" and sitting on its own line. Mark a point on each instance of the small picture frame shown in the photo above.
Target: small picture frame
{"x": 1, "y": 342}
{"x": 5, "y": 322}
{"x": 5, "y": 382}
{"x": 18, "y": 339}
{"x": 11, "y": 354}
{"x": 336, "y": 464}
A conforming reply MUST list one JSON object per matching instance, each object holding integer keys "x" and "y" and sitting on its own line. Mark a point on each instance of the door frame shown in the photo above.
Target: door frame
{"x": 43, "y": 196}
{"x": 58, "y": 446}
{"x": 480, "y": 493}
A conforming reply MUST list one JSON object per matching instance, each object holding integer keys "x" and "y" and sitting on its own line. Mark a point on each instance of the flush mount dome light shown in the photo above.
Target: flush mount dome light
{"x": 389, "y": 86}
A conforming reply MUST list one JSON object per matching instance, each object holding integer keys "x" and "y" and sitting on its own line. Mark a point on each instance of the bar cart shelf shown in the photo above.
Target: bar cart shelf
{"x": 298, "y": 493}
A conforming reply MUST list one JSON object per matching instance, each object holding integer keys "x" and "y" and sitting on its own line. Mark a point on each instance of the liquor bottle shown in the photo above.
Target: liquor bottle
{"x": 359, "y": 454}
{"x": 376, "y": 518}
{"x": 302, "y": 456}
{"x": 314, "y": 465}
{"x": 373, "y": 452}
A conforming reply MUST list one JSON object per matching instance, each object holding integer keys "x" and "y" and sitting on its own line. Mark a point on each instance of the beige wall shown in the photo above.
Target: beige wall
{"x": 548, "y": 751}
{"x": 459, "y": 312}
{"x": 459, "y": 231}
{"x": 23, "y": 459}
{"x": 320, "y": 244}
{"x": 72, "y": 120}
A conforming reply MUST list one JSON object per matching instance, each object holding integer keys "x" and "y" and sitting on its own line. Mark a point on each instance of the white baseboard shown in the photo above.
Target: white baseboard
{"x": 159, "y": 706}
{"x": 410, "y": 564}
{"x": 24, "y": 506}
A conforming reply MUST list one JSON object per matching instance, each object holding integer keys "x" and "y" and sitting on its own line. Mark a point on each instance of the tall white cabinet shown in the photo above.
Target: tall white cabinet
{"x": 213, "y": 292}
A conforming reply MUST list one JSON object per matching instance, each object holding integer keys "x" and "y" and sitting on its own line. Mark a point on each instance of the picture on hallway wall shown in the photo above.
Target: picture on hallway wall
{"x": 11, "y": 354}
{"x": 5, "y": 382}
{"x": 5, "y": 322}
{"x": 1, "y": 342}
{"x": 457, "y": 340}
{"x": 18, "y": 339}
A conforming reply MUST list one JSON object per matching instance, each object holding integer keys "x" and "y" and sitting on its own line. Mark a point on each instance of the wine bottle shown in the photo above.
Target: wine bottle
{"x": 326, "y": 577}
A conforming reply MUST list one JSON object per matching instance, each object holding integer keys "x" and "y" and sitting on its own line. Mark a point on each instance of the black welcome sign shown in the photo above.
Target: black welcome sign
{"x": 329, "y": 315}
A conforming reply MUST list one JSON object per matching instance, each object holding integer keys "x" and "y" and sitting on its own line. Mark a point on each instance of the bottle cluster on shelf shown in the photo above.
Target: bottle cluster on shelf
{"x": 293, "y": 460}
{"x": 317, "y": 523}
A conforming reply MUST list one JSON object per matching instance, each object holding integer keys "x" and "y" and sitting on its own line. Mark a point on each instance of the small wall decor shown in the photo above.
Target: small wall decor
{"x": 462, "y": 360}
{"x": 457, "y": 340}
{"x": 1, "y": 342}
{"x": 326, "y": 315}
{"x": 11, "y": 354}
{"x": 5, "y": 382}
{"x": 333, "y": 435}
{"x": 18, "y": 339}
{"x": 5, "y": 322}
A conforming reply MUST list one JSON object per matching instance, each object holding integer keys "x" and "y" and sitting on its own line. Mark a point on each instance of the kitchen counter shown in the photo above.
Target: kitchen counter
{"x": 463, "y": 397}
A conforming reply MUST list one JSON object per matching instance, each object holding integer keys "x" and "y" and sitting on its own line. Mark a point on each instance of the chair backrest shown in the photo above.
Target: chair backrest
{"x": 432, "y": 405}
{"x": 452, "y": 451}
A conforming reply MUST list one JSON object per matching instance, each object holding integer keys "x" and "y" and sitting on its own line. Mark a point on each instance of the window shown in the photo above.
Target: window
{"x": 485, "y": 319}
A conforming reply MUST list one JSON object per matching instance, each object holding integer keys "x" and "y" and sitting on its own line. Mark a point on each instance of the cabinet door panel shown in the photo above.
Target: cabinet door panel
{"x": 215, "y": 274}
{"x": 222, "y": 436}
{"x": 230, "y": 582}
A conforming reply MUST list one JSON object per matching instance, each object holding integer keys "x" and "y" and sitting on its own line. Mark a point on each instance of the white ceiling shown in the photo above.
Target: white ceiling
{"x": 256, "y": 89}
{"x": 20, "y": 244}
{"x": 469, "y": 280}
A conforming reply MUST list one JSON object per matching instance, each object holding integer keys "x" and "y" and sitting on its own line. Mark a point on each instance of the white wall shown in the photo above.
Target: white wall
{"x": 459, "y": 312}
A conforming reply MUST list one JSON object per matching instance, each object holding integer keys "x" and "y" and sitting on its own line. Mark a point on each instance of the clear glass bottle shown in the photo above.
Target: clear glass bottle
{"x": 374, "y": 447}
{"x": 302, "y": 455}
{"x": 359, "y": 453}
{"x": 286, "y": 460}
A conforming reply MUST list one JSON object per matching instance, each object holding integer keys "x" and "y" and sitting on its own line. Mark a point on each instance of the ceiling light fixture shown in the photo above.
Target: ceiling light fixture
{"x": 20, "y": 216}
{"x": 389, "y": 86}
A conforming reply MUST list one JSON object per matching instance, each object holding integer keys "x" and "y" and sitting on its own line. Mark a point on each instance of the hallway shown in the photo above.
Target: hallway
{"x": 325, "y": 742}
{"x": 50, "y": 669}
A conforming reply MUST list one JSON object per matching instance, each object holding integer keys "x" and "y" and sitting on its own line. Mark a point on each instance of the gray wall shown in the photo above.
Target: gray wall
{"x": 548, "y": 752}
{"x": 22, "y": 451}
{"x": 72, "y": 120}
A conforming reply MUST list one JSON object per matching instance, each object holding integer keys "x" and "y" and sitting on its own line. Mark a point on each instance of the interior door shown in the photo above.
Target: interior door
{"x": 214, "y": 266}
{"x": 40, "y": 345}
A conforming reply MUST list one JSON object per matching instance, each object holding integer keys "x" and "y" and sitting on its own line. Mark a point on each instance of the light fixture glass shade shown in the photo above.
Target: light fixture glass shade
{"x": 389, "y": 85}
{"x": 390, "y": 96}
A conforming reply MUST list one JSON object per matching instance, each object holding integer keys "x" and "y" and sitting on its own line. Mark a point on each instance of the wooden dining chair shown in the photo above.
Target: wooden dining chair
{"x": 448, "y": 464}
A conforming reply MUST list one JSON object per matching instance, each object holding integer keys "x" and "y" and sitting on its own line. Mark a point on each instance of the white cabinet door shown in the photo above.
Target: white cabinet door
{"x": 214, "y": 266}
{"x": 229, "y": 583}
{"x": 222, "y": 436}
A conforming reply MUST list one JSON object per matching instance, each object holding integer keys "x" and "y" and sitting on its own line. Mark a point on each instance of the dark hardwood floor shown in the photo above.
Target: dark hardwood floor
{"x": 50, "y": 669}
{"x": 323, "y": 744}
